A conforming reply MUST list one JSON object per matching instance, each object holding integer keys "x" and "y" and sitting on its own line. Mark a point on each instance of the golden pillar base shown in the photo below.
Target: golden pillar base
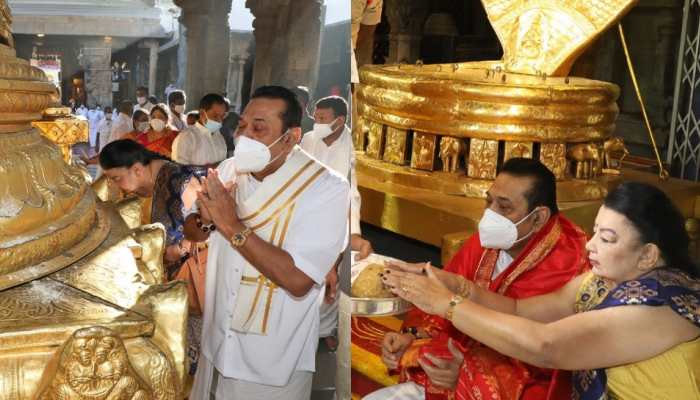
{"x": 64, "y": 130}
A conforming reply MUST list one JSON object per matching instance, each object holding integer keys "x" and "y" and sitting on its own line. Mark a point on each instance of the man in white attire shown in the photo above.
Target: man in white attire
{"x": 202, "y": 144}
{"x": 331, "y": 143}
{"x": 279, "y": 220}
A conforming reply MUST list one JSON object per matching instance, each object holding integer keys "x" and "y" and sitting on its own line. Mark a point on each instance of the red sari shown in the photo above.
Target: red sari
{"x": 163, "y": 144}
{"x": 554, "y": 256}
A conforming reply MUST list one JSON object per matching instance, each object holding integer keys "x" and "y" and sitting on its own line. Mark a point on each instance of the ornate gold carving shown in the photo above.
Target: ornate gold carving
{"x": 395, "y": 148}
{"x": 65, "y": 132}
{"x": 483, "y": 159}
{"x": 585, "y": 158}
{"x": 553, "y": 156}
{"x": 610, "y": 148}
{"x": 375, "y": 140}
{"x": 94, "y": 365}
{"x": 451, "y": 150}
{"x": 423, "y": 152}
{"x": 545, "y": 37}
{"x": 517, "y": 149}
{"x": 359, "y": 133}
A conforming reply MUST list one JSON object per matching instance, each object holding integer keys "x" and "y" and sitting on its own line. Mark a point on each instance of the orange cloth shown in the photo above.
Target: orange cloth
{"x": 161, "y": 144}
{"x": 554, "y": 256}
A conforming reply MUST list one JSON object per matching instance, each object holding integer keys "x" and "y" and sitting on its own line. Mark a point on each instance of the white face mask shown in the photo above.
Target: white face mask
{"x": 498, "y": 232}
{"x": 157, "y": 124}
{"x": 141, "y": 100}
{"x": 322, "y": 131}
{"x": 143, "y": 126}
{"x": 179, "y": 108}
{"x": 251, "y": 155}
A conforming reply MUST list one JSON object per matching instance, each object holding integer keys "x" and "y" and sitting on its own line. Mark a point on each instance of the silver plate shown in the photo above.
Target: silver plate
{"x": 367, "y": 307}
{"x": 376, "y": 307}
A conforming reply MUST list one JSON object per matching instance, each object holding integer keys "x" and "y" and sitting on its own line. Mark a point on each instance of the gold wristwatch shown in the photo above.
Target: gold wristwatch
{"x": 239, "y": 238}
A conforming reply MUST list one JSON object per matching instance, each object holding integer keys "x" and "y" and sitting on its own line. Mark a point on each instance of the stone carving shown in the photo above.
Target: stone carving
{"x": 614, "y": 145}
{"x": 586, "y": 160}
{"x": 93, "y": 365}
{"x": 375, "y": 140}
{"x": 517, "y": 149}
{"x": 451, "y": 149}
{"x": 423, "y": 153}
{"x": 483, "y": 159}
{"x": 395, "y": 148}
{"x": 553, "y": 156}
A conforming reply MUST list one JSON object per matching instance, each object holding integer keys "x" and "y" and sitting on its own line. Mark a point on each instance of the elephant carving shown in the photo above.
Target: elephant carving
{"x": 450, "y": 151}
{"x": 586, "y": 159}
{"x": 614, "y": 145}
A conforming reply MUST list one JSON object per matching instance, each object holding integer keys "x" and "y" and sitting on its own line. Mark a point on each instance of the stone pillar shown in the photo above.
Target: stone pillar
{"x": 286, "y": 51}
{"x": 406, "y": 19}
{"x": 98, "y": 75}
{"x": 207, "y": 38}
{"x": 238, "y": 56}
{"x": 152, "y": 65}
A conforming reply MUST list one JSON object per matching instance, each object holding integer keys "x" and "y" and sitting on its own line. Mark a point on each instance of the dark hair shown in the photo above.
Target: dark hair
{"x": 210, "y": 99}
{"x": 302, "y": 93}
{"x": 337, "y": 103}
{"x": 108, "y": 108}
{"x": 176, "y": 95}
{"x": 126, "y": 107}
{"x": 124, "y": 153}
{"x": 160, "y": 107}
{"x": 543, "y": 191}
{"x": 656, "y": 219}
{"x": 142, "y": 89}
{"x": 153, "y": 99}
{"x": 291, "y": 117}
{"x": 138, "y": 113}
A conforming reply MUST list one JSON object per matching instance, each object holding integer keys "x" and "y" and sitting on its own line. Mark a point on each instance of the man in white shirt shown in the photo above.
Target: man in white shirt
{"x": 280, "y": 220}
{"x": 331, "y": 143}
{"x": 142, "y": 102}
{"x": 201, "y": 144}
{"x": 93, "y": 116}
{"x": 104, "y": 129}
{"x": 177, "y": 101}
{"x": 123, "y": 123}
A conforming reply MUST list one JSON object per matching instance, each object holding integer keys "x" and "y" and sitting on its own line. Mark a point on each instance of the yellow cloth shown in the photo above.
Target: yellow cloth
{"x": 672, "y": 375}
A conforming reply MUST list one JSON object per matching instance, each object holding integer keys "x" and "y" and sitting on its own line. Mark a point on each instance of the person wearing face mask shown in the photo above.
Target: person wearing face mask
{"x": 628, "y": 329}
{"x": 279, "y": 220}
{"x": 158, "y": 137}
{"x": 140, "y": 124}
{"x": 142, "y": 102}
{"x": 177, "y": 101}
{"x": 523, "y": 247}
{"x": 201, "y": 144}
{"x": 330, "y": 142}
{"x": 123, "y": 123}
{"x": 104, "y": 129}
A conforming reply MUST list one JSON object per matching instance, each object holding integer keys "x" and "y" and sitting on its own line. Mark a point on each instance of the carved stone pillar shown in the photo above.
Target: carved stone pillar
{"x": 406, "y": 19}
{"x": 207, "y": 43}
{"x": 98, "y": 75}
{"x": 152, "y": 65}
{"x": 238, "y": 56}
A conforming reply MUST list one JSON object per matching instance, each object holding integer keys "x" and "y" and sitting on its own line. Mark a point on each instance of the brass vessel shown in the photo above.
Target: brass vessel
{"x": 84, "y": 313}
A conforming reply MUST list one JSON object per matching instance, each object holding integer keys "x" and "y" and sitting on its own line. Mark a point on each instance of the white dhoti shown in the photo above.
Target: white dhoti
{"x": 402, "y": 391}
{"x": 209, "y": 384}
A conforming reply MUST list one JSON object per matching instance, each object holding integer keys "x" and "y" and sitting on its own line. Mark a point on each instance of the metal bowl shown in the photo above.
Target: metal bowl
{"x": 376, "y": 307}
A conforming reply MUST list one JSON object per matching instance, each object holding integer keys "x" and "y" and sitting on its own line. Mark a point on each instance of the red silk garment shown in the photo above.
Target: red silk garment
{"x": 554, "y": 256}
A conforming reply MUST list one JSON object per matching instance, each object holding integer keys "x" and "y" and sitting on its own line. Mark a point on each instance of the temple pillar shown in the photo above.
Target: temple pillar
{"x": 152, "y": 65}
{"x": 406, "y": 19}
{"x": 207, "y": 44}
{"x": 286, "y": 51}
{"x": 98, "y": 75}
{"x": 238, "y": 56}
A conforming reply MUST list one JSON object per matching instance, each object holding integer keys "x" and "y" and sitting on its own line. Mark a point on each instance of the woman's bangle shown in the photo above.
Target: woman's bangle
{"x": 456, "y": 299}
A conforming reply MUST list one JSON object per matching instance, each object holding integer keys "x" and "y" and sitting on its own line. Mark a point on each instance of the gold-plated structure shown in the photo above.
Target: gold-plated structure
{"x": 63, "y": 129}
{"x": 84, "y": 313}
{"x": 524, "y": 105}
